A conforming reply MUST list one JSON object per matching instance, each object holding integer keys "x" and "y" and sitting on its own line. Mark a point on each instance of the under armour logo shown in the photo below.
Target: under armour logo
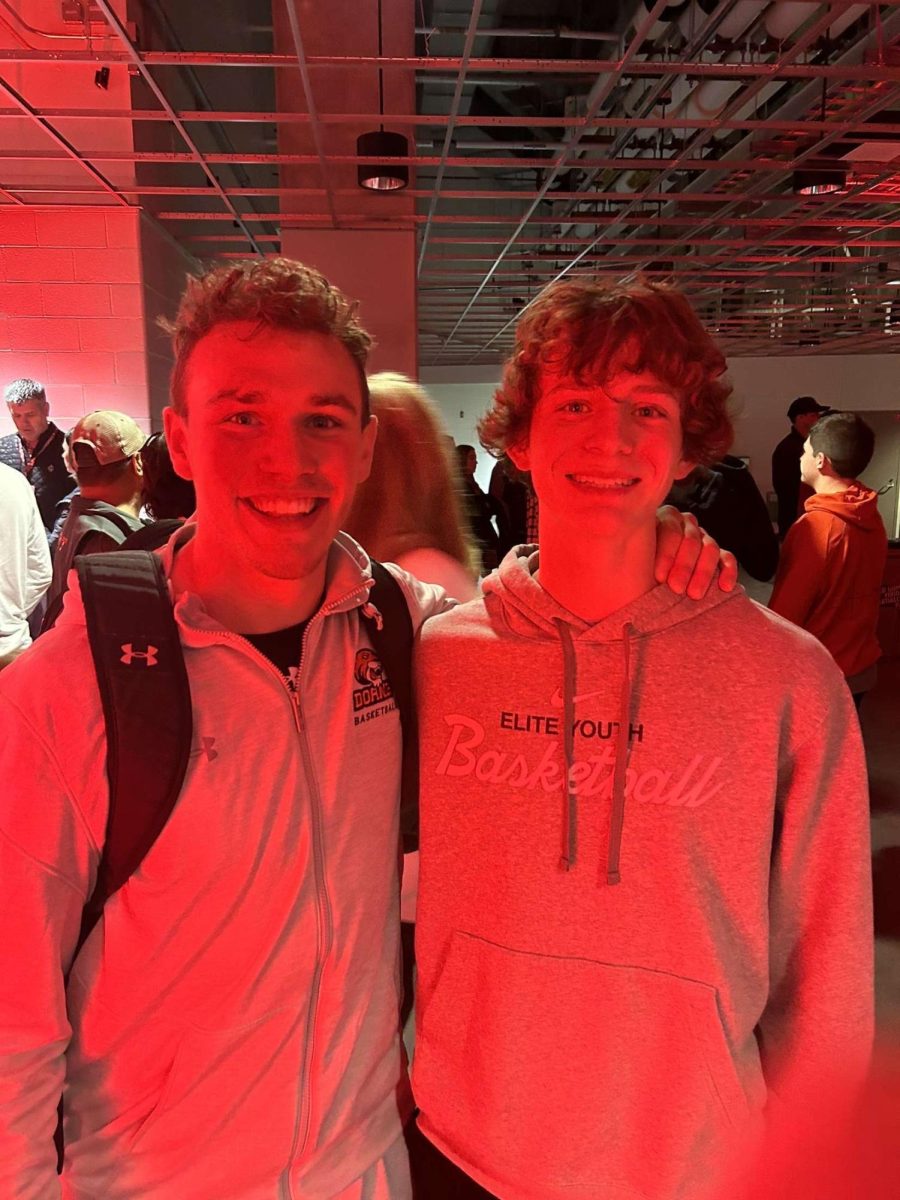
{"x": 206, "y": 747}
{"x": 129, "y": 654}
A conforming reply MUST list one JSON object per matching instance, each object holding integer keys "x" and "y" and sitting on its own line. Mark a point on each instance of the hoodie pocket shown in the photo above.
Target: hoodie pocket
{"x": 549, "y": 1072}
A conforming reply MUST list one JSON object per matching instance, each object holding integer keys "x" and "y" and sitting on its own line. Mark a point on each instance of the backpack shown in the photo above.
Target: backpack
{"x": 149, "y": 719}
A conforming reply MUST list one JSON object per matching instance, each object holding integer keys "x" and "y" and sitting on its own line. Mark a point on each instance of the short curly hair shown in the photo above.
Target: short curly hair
{"x": 591, "y": 331}
{"x": 23, "y": 391}
{"x": 279, "y": 292}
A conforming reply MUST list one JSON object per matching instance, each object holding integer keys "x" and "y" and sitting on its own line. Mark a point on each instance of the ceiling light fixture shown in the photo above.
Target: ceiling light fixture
{"x": 819, "y": 181}
{"x": 385, "y": 175}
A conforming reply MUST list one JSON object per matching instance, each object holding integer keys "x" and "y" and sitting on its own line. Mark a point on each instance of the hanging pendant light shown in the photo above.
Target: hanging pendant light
{"x": 385, "y": 175}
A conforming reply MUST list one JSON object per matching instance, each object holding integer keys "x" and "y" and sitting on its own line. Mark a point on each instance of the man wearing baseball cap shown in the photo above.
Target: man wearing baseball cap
{"x": 105, "y": 450}
{"x": 802, "y": 414}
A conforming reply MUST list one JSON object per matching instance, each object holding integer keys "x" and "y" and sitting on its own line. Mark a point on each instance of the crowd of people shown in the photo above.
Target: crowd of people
{"x": 624, "y": 807}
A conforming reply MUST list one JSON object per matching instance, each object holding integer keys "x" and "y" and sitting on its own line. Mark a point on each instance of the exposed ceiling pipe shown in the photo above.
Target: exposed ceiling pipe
{"x": 64, "y": 144}
{"x": 798, "y": 48}
{"x": 711, "y": 18}
{"x": 599, "y": 94}
{"x": 448, "y": 136}
{"x": 315, "y": 127}
{"x": 799, "y": 104}
{"x": 135, "y": 58}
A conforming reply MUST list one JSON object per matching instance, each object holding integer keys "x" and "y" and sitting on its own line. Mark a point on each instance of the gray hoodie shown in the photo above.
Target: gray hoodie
{"x": 644, "y": 905}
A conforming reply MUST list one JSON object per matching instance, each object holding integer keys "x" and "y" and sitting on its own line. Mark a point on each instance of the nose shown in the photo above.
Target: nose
{"x": 291, "y": 454}
{"x": 610, "y": 430}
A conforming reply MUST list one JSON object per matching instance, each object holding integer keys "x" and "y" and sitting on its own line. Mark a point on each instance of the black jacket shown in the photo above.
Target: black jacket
{"x": 48, "y": 475}
{"x": 786, "y": 479}
{"x": 730, "y": 507}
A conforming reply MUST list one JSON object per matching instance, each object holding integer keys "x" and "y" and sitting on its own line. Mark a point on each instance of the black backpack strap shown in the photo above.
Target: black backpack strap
{"x": 393, "y": 644}
{"x": 146, "y": 703}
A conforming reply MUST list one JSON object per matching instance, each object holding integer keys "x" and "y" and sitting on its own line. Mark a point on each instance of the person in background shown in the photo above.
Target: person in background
{"x": 37, "y": 447}
{"x": 644, "y": 916}
{"x": 481, "y": 510}
{"x": 61, "y": 510}
{"x": 729, "y": 506}
{"x": 510, "y": 488}
{"x": 802, "y": 414}
{"x": 25, "y": 570}
{"x": 167, "y": 499}
{"x": 409, "y": 511}
{"x": 832, "y": 561}
{"x": 105, "y": 449}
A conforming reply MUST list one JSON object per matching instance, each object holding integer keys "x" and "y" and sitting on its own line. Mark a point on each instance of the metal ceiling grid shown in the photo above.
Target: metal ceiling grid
{"x": 550, "y": 140}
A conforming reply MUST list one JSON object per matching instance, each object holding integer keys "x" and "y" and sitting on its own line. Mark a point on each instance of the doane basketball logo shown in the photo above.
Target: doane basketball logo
{"x": 370, "y": 673}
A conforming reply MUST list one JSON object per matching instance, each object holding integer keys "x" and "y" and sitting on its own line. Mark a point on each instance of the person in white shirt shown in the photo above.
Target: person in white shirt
{"x": 25, "y": 569}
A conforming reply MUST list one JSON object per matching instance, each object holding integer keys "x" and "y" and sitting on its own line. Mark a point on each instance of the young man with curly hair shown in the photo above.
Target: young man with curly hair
{"x": 230, "y": 1026}
{"x": 644, "y": 904}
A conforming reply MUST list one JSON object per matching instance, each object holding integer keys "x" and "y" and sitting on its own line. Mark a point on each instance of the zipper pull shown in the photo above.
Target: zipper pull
{"x": 372, "y": 614}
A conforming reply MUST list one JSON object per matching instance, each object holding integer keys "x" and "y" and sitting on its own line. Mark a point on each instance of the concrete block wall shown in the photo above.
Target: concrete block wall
{"x": 165, "y": 267}
{"x": 72, "y": 309}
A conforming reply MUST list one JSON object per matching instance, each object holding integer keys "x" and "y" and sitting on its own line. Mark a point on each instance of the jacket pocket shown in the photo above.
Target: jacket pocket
{"x": 223, "y": 1084}
{"x": 552, "y": 1073}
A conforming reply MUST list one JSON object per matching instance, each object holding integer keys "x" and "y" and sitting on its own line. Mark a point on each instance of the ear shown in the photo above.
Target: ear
{"x": 683, "y": 469}
{"x": 175, "y": 427}
{"x": 369, "y": 437}
{"x": 519, "y": 455}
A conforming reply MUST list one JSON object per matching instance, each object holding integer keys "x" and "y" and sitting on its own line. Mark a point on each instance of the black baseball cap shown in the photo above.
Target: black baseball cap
{"x": 806, "y": 404}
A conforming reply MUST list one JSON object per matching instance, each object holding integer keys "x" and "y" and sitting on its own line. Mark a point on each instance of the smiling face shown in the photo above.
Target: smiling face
{"x": 30, "y": 419}
{"x": 602, "y": 456}
{"x": 273, "y": 440}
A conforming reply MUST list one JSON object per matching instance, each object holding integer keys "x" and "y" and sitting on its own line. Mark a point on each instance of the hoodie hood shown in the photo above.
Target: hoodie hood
{"x": 513, "y": 594}
{"x": 858, "y": 506}
{"x": 531, "y": 612}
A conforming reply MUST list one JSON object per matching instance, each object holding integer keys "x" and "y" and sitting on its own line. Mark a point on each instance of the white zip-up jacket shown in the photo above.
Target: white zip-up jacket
{"x": 232, "y": 1020}
{"x": 25, "y": 570}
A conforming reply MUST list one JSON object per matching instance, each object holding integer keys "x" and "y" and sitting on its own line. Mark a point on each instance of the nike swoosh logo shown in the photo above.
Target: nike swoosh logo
{"x": 556, "y": 700}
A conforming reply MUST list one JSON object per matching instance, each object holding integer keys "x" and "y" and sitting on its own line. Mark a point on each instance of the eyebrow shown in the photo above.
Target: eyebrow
{"x": 319, "y": 400}
{"x": 334, "y": 400}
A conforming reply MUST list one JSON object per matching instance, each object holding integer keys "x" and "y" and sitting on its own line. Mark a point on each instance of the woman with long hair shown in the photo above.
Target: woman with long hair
{"x": 409, "y": 510}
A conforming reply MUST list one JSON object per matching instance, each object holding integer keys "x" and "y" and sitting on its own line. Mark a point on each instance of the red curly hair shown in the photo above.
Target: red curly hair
{"x": 591, "y": 331}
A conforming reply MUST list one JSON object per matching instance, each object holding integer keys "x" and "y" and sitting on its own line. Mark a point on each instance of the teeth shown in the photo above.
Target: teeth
{"x": 284, "y": 508}
{"x": 591, "y": 481}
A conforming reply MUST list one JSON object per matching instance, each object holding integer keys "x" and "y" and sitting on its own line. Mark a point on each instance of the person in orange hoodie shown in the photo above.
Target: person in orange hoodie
{"x": 832, "y": 562}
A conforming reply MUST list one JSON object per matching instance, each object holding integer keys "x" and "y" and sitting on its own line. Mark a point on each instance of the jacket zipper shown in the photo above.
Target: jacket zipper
{"x": 324, "y": 921}
{"x": 324, "y": 918}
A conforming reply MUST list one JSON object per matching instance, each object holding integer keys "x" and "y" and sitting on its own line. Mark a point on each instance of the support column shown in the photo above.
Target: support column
{"x": 363, "y": 242}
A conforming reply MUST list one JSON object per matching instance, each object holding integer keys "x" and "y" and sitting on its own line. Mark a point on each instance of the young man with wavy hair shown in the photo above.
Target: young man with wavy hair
{"x": 644, "y": 904}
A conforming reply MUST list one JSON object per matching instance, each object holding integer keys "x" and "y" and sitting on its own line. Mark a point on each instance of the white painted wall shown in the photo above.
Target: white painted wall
{"x": 763, "y": 389}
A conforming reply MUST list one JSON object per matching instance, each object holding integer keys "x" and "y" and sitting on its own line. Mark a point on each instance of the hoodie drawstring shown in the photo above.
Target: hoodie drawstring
{"x": 570, "y": 804}
{"x": 617, "y": 813}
